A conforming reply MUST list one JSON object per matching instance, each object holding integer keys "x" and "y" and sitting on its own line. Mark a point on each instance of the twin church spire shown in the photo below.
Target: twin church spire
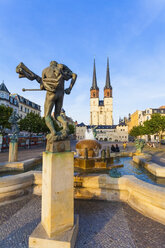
{"x": 108, "y": 82}
{"x": 94, "y": 82}
{"x": 107, "y": 89}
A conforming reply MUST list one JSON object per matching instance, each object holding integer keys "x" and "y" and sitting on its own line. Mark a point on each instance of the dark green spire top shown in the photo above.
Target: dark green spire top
{"x": 3, "y": 87}
{"x": 94, "y": 82}
{"x": 108, "y": 83}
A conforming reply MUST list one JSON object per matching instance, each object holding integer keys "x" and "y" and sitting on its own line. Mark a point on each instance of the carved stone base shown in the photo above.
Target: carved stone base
{"x": 67, "y": 239}
{"x": 58, "y": 146}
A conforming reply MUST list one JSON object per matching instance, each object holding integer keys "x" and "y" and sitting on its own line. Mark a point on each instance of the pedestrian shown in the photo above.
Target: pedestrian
{"x": 124, "y": 145}
{"x": 113, "y": 149}
{"x": 117, "y": 148}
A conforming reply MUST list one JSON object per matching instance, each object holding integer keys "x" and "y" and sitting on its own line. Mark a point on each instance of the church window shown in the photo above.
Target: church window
{"x": 93, "y": 94}
{"x": 107, "y": 93}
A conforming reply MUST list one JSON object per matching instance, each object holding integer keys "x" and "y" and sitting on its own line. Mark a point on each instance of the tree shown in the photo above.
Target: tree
{"x": 4, "y": 116}
{"x": 32, "y": 123}
{"x": 156, "y": 125}
{"x": 137, "y": 131}
{"x": 71, "y": 129}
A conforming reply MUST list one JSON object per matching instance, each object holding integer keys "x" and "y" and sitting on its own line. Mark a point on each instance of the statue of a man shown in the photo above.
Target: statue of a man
{"x": 52, "y": 81}
{"x": 53, "y": 78}
{"x": 13, "y": 119}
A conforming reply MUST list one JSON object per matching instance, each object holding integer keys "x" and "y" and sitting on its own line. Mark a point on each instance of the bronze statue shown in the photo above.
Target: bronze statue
{"x": 13, "y": 119}
{"x": 52, "y": 81}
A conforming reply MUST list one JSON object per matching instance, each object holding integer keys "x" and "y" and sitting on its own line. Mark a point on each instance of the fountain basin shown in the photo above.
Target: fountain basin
{"x": 93, "y": 147}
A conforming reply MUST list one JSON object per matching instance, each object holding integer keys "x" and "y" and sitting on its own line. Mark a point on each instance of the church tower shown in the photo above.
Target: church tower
{"x": 108, "y": 100}
{"x": 94, "y": 100}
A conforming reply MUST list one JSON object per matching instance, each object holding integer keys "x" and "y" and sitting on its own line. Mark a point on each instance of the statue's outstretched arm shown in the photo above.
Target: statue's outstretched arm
{"x": 24, "y": 71}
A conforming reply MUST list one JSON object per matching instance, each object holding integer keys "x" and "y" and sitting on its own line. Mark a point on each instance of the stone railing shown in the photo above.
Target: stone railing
{"x": 153, "y": 168}
{"x": 146, "y": 198}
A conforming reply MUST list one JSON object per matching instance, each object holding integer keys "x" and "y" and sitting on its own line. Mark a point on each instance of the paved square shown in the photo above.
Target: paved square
{"x": 102, "y": 225}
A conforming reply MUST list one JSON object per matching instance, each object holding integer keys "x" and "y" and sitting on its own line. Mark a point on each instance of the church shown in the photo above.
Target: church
{"x": 101, "y": 110}
{"x": 101, "y": 114}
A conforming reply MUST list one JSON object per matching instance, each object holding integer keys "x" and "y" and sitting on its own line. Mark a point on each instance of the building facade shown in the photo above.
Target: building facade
{"x": 101, "y": 111}
{"x": 139, "y": 117}
{"x": 6, "y": 99}
{"x": 18, "y": 103}
{"x": 26, "y": 106}
{"x": 114, "y": 133}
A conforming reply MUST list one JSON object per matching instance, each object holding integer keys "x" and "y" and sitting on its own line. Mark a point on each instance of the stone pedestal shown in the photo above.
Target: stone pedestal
{"x": 66, "y": 239}
{"x": 58, "y": 146}
{"x": 13, "y": 151}
{"x": 57, "y": 228}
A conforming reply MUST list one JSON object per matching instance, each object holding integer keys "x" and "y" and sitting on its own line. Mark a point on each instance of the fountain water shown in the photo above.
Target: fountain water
{"x": 89, "y": 134}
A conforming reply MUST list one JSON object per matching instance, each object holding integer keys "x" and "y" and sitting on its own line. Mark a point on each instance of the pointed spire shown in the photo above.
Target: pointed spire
{"x": 3, "y": 87}
{"x": 94, "y": 82}
{"x": 108, "y": 83}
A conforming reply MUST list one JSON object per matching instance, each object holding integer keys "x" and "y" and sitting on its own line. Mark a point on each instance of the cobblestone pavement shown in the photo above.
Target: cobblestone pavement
{"x": 102, "y": 225}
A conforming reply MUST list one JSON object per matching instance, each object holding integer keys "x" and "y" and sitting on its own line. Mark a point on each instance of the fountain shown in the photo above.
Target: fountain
{"x": 90, "y": 157}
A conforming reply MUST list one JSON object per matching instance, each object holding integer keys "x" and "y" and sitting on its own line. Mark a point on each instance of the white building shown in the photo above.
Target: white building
{"x": 7, "y": 99}
{"x": 20, "y": 104}
{"x": 114, "y": 133}
{"x": 101, "y": 110}
{"x": 26, "y": 106}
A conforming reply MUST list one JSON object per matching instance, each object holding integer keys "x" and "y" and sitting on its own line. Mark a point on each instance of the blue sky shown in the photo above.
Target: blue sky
{"x": 130, "y": 32}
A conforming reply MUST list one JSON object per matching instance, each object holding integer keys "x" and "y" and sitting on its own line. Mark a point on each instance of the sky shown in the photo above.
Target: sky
{"x": 130, "y": 32}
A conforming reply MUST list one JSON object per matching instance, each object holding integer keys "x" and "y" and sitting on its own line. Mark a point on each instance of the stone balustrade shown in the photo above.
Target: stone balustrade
{"x": 146, "y": 198}
{"x": 153, "y": 168}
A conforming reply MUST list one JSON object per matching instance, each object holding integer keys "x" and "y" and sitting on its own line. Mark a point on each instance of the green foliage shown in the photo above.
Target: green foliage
{"x": 32, "y": 123}
{"x": 71, "y": 129}
{"x": 137, "y": 131}
{"x": 5, "y": 113}
{"x": 155, "y": 125}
